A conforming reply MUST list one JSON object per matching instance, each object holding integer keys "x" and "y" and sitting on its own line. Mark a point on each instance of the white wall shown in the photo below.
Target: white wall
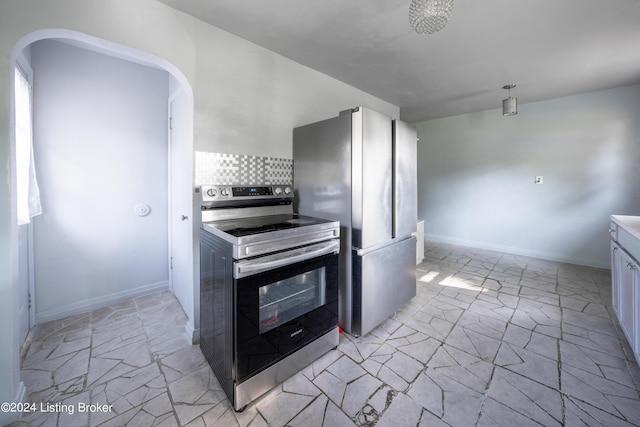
{"x": 476, "y": 176}
{"x": 247, "y": 99}
{"x": 100, "y": 143}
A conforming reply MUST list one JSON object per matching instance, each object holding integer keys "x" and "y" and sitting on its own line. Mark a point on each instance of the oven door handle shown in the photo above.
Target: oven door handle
{"x": 254, "y": 266}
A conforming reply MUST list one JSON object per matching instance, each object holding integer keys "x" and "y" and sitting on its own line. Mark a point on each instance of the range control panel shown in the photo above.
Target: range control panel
{"x": 251, "y": 191}
{"x": 213, "y": 196}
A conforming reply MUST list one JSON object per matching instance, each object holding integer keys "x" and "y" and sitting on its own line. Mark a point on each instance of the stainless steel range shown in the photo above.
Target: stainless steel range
{"x": 268, "y": 287}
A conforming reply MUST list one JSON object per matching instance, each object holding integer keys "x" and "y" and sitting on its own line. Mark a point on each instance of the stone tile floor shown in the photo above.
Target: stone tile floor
{"x": 491, "y": 339}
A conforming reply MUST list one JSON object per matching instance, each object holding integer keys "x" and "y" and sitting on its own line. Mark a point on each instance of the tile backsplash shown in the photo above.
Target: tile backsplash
{"x": 238, "y": 169}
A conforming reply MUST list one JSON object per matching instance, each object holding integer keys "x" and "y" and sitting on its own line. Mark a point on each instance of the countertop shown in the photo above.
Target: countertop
{"x": 630, "y": 223}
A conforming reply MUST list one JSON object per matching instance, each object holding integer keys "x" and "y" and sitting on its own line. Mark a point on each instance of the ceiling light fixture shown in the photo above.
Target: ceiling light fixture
{"x": 429, "y": 16}
{"x": 509, "y": 105}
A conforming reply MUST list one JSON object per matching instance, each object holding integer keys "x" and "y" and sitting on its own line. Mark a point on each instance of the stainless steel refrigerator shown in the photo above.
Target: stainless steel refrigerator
{"x": 360, "y": 168}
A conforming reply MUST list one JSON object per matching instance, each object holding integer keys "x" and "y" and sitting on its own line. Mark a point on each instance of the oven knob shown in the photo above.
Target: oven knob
{"x": 278, "y": 191}
{"x": 287, "y": 190}
{"x": 224, "y": 191}
{"x": 211, "y": 192}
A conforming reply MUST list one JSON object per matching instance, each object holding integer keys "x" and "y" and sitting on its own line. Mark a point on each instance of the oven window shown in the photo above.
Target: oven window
{"x": 287, "y": 299}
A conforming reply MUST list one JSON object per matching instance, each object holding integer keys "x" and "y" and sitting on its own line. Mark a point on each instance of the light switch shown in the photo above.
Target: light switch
{"x": 539, "y": 179}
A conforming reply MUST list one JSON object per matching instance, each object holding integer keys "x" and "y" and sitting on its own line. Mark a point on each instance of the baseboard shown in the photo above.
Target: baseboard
{"x": 192, "y": 335}
{"x": 549, "y": 256}
{"x": 22, "y": 392}
{"x": 99, "y": 302}
{"x": 7, "y": 417}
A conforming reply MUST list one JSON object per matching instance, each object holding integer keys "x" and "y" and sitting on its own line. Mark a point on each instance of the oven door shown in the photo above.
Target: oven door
{"x": 289, "y": 302}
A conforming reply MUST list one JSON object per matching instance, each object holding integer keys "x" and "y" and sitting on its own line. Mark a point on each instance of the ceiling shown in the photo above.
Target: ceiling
{"x": 548, "y": 48}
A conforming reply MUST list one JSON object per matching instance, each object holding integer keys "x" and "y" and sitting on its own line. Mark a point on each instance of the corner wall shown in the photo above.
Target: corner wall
{"x": 476, "y": 176}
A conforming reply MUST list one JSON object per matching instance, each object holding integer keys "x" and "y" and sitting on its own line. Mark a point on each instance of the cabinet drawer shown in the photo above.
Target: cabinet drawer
{"x": 630, "y": 243}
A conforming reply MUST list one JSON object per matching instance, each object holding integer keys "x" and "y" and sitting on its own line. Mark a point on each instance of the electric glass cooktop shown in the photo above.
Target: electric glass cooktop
{"x": 263, "y": 224}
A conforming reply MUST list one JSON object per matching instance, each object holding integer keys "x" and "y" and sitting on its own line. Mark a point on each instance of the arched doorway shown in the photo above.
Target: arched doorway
{"x": 178, "y": 189}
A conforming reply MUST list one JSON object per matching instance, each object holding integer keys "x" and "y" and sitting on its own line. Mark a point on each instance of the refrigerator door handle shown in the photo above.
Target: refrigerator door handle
{"x": 364, "y": 251}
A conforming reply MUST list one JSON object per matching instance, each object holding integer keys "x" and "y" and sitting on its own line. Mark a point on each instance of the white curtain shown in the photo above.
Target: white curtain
{"x": 28, "y": 193}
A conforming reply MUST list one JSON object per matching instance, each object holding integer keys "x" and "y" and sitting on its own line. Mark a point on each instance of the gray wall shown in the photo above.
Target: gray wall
{"x": 476, "y": 176}
{"x": 100, "y": 143}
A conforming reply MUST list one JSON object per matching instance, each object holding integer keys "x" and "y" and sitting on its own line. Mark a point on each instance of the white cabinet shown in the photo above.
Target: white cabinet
{"x": 625, "y": 284}
{"x": 615, "y": 277}
{"x": 625, "y": 281}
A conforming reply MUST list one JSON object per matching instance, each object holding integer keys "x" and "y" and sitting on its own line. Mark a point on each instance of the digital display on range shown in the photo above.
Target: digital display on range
{"x": 252, "y": 191}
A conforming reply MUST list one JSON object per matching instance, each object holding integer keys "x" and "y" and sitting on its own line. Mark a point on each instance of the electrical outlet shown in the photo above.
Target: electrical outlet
{"x": 539, "y": 179}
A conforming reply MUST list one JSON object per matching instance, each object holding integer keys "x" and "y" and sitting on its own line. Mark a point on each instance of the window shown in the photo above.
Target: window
{"x": 290, "y": 298}
{"x": 27, "y": 192}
